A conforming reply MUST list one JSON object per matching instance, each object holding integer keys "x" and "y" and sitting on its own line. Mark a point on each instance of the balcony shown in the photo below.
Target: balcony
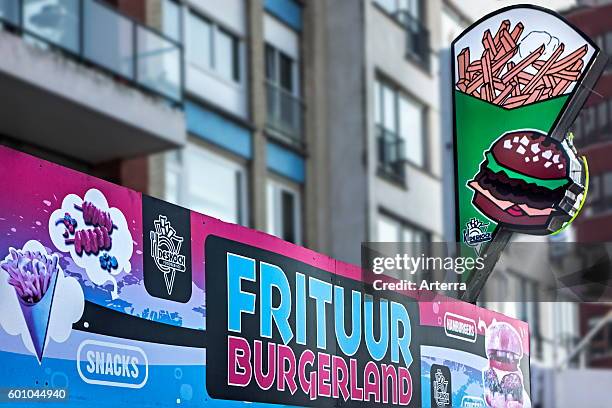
{"x": 80, "y": 71}
{"x": 391, "y": 155}
{"x": 285, "y": 115}
{"x": 95, "y": 33}
{"x": 417, "y": 38}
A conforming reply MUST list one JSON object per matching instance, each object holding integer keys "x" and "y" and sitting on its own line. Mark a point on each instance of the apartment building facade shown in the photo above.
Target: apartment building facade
{"x": 200, "y": 102}
{"x": 245, "y": 159}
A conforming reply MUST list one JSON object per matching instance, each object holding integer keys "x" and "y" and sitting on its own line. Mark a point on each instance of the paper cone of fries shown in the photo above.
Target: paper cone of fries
{"x": 37, "y": 317}
{"x": 520, "y": 77}
{"x": 33, "y": 275}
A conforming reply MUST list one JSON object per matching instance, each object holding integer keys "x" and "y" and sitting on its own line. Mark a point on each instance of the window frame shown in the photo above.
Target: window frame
{"x": 295, "y": 69}
{"x": 238, "y": 63}
{"x": 380, "y": 83}
{"x": 601, "y": 201}
{"x": 403, "y": 226}
{"x": 204, "y": 152}
{"x": 275, "y": 223}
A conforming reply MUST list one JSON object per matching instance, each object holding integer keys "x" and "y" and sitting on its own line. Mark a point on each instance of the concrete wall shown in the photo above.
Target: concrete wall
{"x": 346, "y": 130}
{"x": 318, "y": 167}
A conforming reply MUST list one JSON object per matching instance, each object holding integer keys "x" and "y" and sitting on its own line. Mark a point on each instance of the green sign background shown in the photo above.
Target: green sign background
{"x": 477, "y": 125}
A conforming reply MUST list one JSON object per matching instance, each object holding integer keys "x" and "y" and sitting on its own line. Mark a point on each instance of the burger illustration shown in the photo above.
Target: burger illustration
{"x": 503, "y": 379}
{"x": 529, "y": 182}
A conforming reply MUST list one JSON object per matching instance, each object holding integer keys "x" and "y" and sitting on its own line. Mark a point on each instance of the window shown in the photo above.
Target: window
{"x": 284, "y": 213}
{"x": 401, "y": 131}
{"x": 409, "y": 13}
{"x": 199, "y": 31}
{"x": 599, "y": 198}
{"x": 594, "y": 124}
{"x": 216, "y": 186}
{"x": 210, "y": 47}
{"x": 391, "y": 229}
{"x": 284, "y": 104}
{"x": 171, "y": 19}
{"x": 409, "y": 239}
{"x": 396, "y": 7}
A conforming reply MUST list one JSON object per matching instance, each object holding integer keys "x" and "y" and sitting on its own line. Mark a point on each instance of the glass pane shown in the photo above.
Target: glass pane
{"x": 607, "y": 184}
{"x": 377, "y": 103}
{"x": 602, "y": 114}
{"x": 389, "y": 5}
{"x": 414, "y": 8}
{"x": 224, "y": 54}
{"x": 593, "y": 189}
{"x": 108, "y": 39}
{"x": 609, "y": 43}
{"x": 271, "y": 210}
{"x": 389, "y": 109}
{"x": 56, "y": 21}
{"x": 9, "y": 11}
{"x": 159, "y": 65}
{"x": 270, "y": 64}
{"x": 411, "y": 130}
{"x": 198, "y": 42}
{"x": 171, "y": 19}
{"x": 589, "y": 120}
{"x": 288, "y": 214}
{"x": 388, "y": 229}
{"x": 213, "y": 188}
{"x": 286, "y": 72}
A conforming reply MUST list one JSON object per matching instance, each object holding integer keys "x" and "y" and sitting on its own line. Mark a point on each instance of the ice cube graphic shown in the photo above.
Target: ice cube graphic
{"x": 37, "y": 317}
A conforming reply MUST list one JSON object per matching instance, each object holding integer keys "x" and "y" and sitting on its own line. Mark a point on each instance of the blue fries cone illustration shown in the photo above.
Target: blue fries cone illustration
{"x": 37, "y": 317}
{"x": 34, "y": 276}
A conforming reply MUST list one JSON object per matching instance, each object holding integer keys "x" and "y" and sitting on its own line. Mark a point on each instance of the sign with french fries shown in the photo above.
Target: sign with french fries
{"x": 520, "y": 76}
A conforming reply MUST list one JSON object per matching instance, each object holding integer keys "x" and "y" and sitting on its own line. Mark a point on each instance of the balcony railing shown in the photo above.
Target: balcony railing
{"x": 97, "y": 34}
{"x": 417, "y": 37}
{"x": 391, "y": 155}
{"x": 285, "y": 114}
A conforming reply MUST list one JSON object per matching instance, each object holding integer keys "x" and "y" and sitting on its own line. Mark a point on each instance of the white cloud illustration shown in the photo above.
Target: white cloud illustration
{"x": 66, "y": 309}
{"x": 122, "y": 244}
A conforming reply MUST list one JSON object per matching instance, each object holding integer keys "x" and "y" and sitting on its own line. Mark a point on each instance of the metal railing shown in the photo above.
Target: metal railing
{"x": 391, "y": 154}
{"x": 417, "y": 37}
{"x": 95, "y": 33}
{"x": 285, "y": 113}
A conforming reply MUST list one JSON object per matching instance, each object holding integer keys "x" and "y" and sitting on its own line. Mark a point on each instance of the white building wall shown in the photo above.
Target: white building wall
{"x": 420, "y": 203}
{"x": 281, "y": 37}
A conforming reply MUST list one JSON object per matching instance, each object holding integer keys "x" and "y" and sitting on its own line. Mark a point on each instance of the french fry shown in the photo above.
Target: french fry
{"x": 545, "y": 68}
{"x": 517, "y": 31}
{"x": 523, "y": 64}
{"x": 494, "y": 78}
{"x": 505, "y": 25}
{"x": 463, "y": 59}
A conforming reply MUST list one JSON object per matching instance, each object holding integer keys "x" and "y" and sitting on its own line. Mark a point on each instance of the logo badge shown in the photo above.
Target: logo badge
{"x": 440, "y": 386}
{"x": 165, "y": 250}
{"x": 167, "y": 263}
{"x": 475, "y": 234}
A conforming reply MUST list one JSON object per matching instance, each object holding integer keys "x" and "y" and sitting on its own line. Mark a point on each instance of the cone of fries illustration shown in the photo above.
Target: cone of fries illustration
{"x": 520, "y": 77}
{"x": 34, "y": 276}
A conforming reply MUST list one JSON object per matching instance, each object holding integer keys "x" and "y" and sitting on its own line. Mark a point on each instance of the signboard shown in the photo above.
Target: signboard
{"x": 521, "y": 74}
{"x": 112, "y": 298}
